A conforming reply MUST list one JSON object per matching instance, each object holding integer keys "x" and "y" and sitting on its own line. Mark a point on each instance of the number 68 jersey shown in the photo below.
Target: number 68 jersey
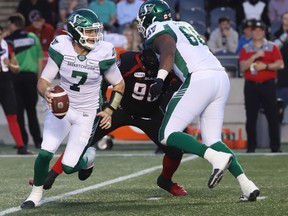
{"x": 81, "y": 75}
{"x": 188, "y": 46}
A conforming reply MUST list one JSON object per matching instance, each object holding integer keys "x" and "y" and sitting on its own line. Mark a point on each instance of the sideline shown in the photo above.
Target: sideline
{"x": 96, "y": 186}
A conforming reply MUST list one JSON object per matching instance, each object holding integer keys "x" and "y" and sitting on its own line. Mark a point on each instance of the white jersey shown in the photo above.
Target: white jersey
{"x": 81, "y": 76}
{"x": 3, "y": 55}
{"x": 188, "y": 44}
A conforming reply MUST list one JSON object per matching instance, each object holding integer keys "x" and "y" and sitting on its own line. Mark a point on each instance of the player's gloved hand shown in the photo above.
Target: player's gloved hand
{"x": 156, "y": 88}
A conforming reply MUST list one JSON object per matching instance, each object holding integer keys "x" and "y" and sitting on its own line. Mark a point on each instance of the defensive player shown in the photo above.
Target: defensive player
{"x": 138, "y": 109}
{"x": 82, "y": 58}
{"x": 203, "y": 94}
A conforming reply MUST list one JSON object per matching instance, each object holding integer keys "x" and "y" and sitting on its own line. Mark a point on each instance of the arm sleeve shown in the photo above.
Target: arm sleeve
{"x": 113, "y": 75}
{"x": 50, "y": 71}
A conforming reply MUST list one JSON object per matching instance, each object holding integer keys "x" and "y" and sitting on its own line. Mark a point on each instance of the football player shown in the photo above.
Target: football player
{"x": 138, "y": 109}
{"x": 203, "y": 94}
{"x": 82, "y": 59}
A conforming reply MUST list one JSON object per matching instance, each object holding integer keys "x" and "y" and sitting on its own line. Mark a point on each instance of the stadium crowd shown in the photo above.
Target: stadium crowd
{"x": 226, "y": 25}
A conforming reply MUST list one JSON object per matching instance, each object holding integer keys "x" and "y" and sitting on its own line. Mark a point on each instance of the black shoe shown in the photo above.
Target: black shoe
{"x": 28, "y": 205}
{"x": 52, "y": 175}
{"x": 23, "y": 151}
{"x": 250, "y": 151}
{"x": 83, "y": 174}
{"x": 215, "y": 178}
{"x": 276, "y": 151}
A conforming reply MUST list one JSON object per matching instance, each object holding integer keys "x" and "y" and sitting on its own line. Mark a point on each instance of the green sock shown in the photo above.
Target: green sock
{"x": 187, "y": 143}
{"x": 41, "y": 167}
{"x": 234, "y": 168}
{"x": 82, "y": 163}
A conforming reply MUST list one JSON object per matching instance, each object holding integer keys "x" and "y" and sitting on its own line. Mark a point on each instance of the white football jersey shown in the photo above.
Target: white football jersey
{"x": 81, "y": 75}
{"x": 189, "y": 45}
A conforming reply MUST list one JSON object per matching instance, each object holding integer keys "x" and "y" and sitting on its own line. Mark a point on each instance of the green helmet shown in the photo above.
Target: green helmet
{"x": 81, "y": 21}
{"x": 151, "y": 11}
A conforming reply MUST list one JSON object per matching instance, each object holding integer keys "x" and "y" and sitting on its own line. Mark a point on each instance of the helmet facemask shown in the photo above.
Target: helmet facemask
{"x": 86, "y": 40}
{"x": 85, "y": 28}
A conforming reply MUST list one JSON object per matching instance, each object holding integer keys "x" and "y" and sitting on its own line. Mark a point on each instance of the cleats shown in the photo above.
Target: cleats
{"x": 172, "y": 188}
{"x": 177, "y": 190}
{"x": 220, "y": 161}
{"x": 84, "y": 173}
{"x": 250, "y": 192}
{"x": 28, "y": 205}
{"x": 34, "y": 198}
{"x": 23, "y": 151}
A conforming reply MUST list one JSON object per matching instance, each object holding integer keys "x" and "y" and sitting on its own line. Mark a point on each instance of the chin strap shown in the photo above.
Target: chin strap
{"x": 115, "y": 100}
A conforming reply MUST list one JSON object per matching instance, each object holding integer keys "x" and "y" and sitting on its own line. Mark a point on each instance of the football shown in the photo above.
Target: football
{"x": 60, "y": 101}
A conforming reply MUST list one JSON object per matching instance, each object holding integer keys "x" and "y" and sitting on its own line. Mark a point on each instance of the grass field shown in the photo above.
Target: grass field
{"x": 123, "y": 184}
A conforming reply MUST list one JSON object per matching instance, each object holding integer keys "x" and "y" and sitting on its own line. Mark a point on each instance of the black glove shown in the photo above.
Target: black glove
{"x": 156, "y": 88}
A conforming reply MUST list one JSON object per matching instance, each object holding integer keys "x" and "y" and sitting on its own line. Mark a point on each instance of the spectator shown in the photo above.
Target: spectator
{"x": 133, "y": 37}
{"x": 119, "y": 41}
{"x": 43, "y": 30}
{"x": 8, "y": 63}
{"x": 106, "y": 11}
{"x": 29, "y": 56}
{"x": 224, "y": 38}
{"x": 253, "y": 9}
{"x": 127, "y": 11}
{"x": 281, "y": 39}
{"x": 66, "y": 7}
{"x": 259, "y": 61}
{"x": 246, "y": 36}
{"x": 276, "y": 8}
{"x": 29, "y": 7}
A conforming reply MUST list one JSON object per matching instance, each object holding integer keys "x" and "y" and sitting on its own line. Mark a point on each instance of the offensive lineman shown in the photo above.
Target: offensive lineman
{"x": 203, "y": 94}
{"x": 82, "y": 59}
{"x": 138, "y": 109}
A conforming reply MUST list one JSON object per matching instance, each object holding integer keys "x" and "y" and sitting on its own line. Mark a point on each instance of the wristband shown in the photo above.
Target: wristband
{"x": 267, "y": 67}
{"x": 162, "y": 74}
{"x": 115, "y": 100}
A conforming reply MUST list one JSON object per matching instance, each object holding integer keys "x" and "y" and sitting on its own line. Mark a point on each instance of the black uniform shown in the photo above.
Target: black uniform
{"x": 137, "y": 107}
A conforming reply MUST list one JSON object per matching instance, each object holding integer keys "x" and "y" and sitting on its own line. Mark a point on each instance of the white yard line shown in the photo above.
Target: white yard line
{"x": 96, "y": 186}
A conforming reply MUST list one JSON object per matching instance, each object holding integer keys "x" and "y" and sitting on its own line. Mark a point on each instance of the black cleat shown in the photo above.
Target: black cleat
{"x": 52, "y": 175}
{"x": 28, "y": 205}
{"x": 83, "y": 174}
{"x": 23, "y": 151}
{"x": 215, "y": 178}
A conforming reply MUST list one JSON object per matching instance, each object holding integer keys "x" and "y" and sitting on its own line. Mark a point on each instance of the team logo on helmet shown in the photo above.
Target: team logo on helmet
{"x": 77, "y": 20}
{"x": 146, "y": 9}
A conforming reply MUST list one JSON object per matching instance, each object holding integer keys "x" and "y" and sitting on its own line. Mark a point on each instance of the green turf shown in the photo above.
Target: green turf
{"x": 135, "y": 196}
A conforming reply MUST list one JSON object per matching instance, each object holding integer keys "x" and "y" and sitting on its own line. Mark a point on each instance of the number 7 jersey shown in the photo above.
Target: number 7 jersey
{"x": 81, "y": 75}
{"x": 189, "y": 44}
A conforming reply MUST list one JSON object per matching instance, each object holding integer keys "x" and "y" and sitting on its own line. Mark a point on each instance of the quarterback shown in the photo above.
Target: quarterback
{"x": 137, "y": 108}
{"x": 82, "y": 59}
{"x": 203, "y": 94}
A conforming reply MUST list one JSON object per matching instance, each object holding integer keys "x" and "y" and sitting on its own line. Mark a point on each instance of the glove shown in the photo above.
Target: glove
{"x": 156, "y": 88}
